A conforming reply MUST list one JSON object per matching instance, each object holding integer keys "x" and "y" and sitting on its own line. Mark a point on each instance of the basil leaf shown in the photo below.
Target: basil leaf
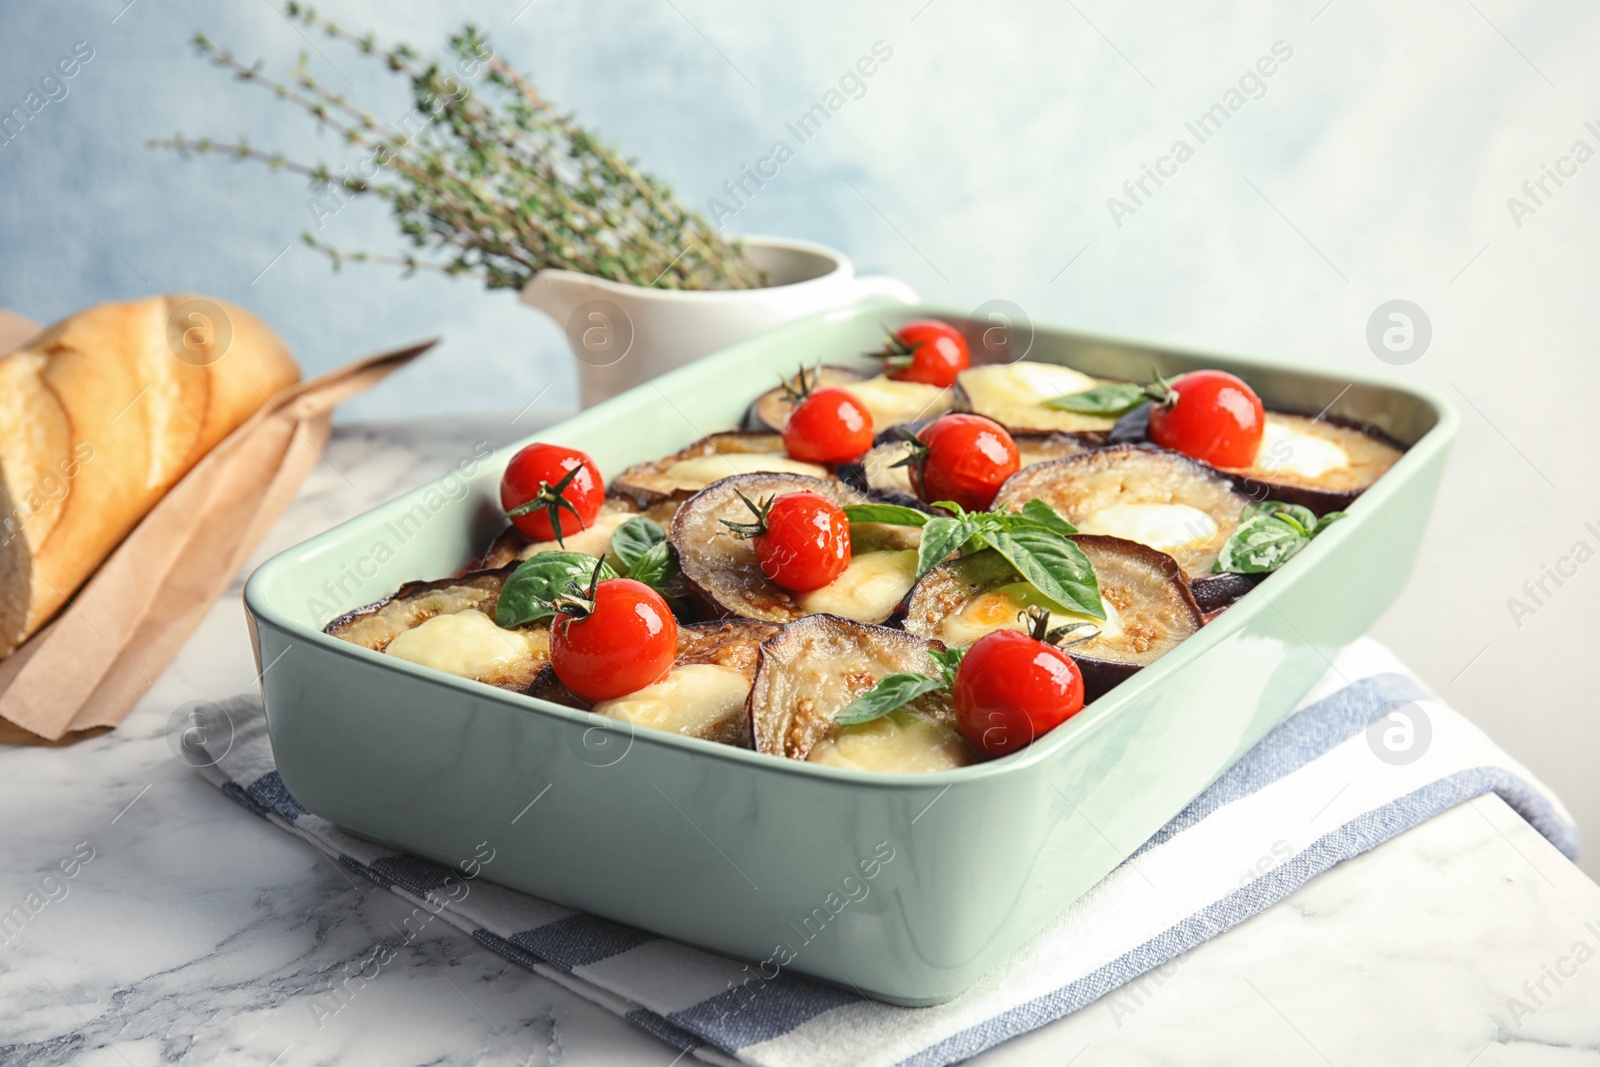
{"x": 1270, "y": 536}
{"x": 527, "y": 594}
{"x": 1326, "y": 521}
{"x": 1037, "y": 513}
{"x": 1113, "y": 398}
{"x": 892, "y": 514}
{"x": 657, "y": 567}
{"x": 940, "y": 537}
{"x": 1301, "y": 515}
{"x": 1056, "y": 567}
{"x": 633, "y": 539}
{"x": 1260, "y": 545}
{"x": 892, "y": 691}
{"x": 949, "y": 660}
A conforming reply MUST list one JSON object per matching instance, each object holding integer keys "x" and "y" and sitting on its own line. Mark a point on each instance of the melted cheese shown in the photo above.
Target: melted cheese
{"x": 698, "y": 472}
{"x": 1022, "y": 383}
{"x": 690, "y": 700}
{"x": 1163, "y": 526}
{"x": 1000, "y": 609}
{"x": 902, "y": 741}
{"x": 1306, "y": 455}
{"x": 869, "y": 589}
{"x": 595, "y": 540}
{"x": 890, "y": 402}
{"x": 467, "y": 643}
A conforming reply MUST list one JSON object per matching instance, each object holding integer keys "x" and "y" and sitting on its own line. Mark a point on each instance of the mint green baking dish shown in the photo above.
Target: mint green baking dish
{"x": 751, "y": 855}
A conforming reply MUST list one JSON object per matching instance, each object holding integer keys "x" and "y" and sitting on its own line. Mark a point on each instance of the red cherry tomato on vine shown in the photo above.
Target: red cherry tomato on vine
{"x": 827, "y": 426}
{"x": 622, "y": 640}
{"x": 963, "y": 458}
{"x": 1011, "y": 689}
{"x": 1210, "y": 415}
{"x": 927, "y": 351}
{"x": 806, "y": 543}
{"x": 554, "y": 483}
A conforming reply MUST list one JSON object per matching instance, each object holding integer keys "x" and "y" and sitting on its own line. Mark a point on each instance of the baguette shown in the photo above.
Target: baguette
{"x": 100, "y": 415}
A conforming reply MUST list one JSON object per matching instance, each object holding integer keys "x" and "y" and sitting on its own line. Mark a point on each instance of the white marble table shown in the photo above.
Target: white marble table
{"x": 200, "y": 934}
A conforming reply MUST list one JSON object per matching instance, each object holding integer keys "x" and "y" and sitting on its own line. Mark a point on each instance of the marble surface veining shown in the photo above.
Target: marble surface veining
{"x": 191, "y": 932}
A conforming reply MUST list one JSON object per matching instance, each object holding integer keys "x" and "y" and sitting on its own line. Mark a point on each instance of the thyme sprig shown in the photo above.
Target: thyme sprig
{"x": 487, "y": 180}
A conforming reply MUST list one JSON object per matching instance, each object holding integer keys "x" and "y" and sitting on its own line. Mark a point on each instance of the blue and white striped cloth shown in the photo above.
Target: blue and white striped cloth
{"x": 1369, "y": 754}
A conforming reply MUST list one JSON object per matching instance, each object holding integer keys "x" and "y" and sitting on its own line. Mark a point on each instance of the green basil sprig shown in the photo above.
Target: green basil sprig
{"x": 1033, "y": 540}
{"x": 528, "y": 594}
{"x": 896, "y": 690}
{"x": 639, "y": 545}
{"x": 889, "y": 514}
{"x": 1111, "y": 399}
{"x": 891, "y": 691}
{"x": 1269, "y": 535}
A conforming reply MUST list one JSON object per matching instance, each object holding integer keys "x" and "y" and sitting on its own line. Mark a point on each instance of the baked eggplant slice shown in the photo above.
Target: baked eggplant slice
{"x": 703, "y": 695}
{"x": 813, "y": 669}
{"x": 375, "y": 625}
{"x": 890, "y": 403}
{"x": 685, "y": 472}
{"x": 1149, "y": 609}
{"x": 1013, "y": 394}
{"x": 1158, "y": 498}
{"x": 877, "y": 474}
{"x": 720, "y": 569}
{"x": 449, "y": 625}
{"x": 1317, "y": 463}
{"x": 1322, "y": 462}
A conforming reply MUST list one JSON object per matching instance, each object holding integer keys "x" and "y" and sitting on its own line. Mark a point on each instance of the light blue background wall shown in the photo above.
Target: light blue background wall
{"x": 977, "y": 165}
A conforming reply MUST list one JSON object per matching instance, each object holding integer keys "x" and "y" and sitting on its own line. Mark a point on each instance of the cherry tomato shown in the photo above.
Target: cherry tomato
{"x": 928, "y": 351}
{"x": 805, "y": 543}
{"x": 827, "y": 426}
{"x": 1011, "y": 689}
{"x": 543, "y": 475}
{"x": 963, "y": 458}
{"x": 620, "y": 641}
{"x": 1210, "y": 415}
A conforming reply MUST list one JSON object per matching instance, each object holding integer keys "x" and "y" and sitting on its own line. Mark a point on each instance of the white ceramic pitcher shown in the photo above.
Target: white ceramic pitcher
{"x": 622, "y": 335}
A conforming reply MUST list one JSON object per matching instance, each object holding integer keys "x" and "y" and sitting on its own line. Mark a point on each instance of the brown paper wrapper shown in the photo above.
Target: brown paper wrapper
{"x": 87, "y": 668}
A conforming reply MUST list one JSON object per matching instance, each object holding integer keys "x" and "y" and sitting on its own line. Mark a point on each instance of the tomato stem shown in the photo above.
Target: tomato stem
{"x": 552, "y": 498}
{"x": 895, "y": 352}
{"x": 798, "y": 388}
{"x": 746, "y": 530}
{"x": 578, "y": 603}
{"x": 1160, "y": 391}
{"x": 1037, "y": 619}
{"x": 919, "y": 449}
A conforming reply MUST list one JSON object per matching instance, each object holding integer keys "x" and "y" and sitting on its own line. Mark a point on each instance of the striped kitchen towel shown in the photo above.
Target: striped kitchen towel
{"x": 1369, "y": 754}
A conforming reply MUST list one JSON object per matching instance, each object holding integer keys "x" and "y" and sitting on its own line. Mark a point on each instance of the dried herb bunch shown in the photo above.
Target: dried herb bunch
{"x": 492, "y": 180}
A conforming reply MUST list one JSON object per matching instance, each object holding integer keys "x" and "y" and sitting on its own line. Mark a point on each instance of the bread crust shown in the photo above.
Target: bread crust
{"x": 103, "y": 413}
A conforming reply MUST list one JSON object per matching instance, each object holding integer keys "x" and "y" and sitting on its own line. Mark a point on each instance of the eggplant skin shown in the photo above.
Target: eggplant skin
{"x": 812, "y": 669}
{"x": 720, "y": 570}
{"x": 1218, "y": 591}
